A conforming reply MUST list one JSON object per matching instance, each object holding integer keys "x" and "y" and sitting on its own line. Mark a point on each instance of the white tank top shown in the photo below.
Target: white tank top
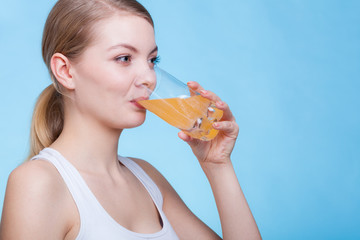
{"x": 95, "y": 222}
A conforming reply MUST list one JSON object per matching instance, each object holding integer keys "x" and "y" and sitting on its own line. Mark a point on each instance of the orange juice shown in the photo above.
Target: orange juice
{"x": 194, "y": 115}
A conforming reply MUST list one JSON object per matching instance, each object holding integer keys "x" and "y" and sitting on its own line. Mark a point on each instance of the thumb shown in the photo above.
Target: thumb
{"x": 189, "y": 140}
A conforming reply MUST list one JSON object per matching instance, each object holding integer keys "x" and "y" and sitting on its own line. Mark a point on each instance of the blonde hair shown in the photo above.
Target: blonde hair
{"x": 69, "y": 30}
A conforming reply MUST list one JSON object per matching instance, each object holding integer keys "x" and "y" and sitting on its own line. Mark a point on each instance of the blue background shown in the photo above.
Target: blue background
{"x": 290, "y": 70}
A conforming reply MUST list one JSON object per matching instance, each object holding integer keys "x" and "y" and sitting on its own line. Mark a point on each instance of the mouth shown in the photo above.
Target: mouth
{"x": 135, "y": 101}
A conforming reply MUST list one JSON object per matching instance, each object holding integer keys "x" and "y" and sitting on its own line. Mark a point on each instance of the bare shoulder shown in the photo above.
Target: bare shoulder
{"x": 34, "y": 178}
{"x": 35, "y": 167}
{"x": 35, "y": 192}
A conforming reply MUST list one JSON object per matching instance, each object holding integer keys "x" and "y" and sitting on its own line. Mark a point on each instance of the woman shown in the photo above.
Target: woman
{"x": 75, "y": 186}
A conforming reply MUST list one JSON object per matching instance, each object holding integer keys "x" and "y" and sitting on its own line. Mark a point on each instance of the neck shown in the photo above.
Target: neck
{"x": 88, "y": 145}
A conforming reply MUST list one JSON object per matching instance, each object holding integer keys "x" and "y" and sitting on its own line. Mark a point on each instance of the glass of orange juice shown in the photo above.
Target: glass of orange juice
{"x": 181, "y": 107}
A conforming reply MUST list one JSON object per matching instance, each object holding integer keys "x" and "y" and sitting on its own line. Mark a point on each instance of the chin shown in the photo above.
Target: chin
{"x": 134, "y": 125}
{"x": 134, "y": 122}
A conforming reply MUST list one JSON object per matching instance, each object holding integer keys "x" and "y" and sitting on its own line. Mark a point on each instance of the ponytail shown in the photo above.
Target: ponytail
{"x": 47, "y": 121}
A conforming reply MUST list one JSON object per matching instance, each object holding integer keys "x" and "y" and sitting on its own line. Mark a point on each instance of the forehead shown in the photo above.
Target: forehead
{"x": 124, "y": 28}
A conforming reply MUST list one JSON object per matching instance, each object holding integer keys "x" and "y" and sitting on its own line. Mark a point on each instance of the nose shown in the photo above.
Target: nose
{"x": 146, "y": 78}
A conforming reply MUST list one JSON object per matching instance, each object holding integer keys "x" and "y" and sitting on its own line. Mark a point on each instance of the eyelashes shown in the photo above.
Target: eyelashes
{"x": 126, "y": 59}
{"x": 155, "y": 60}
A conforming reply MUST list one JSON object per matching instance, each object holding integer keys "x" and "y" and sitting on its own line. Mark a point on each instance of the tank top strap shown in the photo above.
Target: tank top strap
{"x": 144, "y": 178}
{"x": 69, "y": 174}
{"x": 75, "y": 183}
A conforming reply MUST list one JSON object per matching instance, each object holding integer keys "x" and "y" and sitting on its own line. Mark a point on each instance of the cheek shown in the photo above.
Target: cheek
{"x": 102, "y": 91}
{"x": 97, "y": 80}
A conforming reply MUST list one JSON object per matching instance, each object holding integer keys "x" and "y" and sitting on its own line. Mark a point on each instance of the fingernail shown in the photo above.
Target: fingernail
{"x": 203, "y": 91}
{"x": 220, "y": 103}
{"x": 215, "y": 125}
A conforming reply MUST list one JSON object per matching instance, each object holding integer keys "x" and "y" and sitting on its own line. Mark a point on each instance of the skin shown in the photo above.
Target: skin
{"x": 101, "y": 87}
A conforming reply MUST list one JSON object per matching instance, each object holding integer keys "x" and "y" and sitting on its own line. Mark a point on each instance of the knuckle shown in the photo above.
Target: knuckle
{"x": 236, "y": 127}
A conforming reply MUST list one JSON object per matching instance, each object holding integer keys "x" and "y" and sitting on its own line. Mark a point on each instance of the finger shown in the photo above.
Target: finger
{"x": 193, "y": 142}
{"x": 219, "y": 104}
{"x": 195, "y": 86}
{"x": 209, "y": 95}
{"x": 213, "y": 97}
{"x": 229, "y": 128}
{"x": 225, "y": 108}
{"x": 183, "y": 136}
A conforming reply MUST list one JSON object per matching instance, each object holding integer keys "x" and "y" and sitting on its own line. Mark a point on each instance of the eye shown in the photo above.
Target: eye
{"x": 155, "y": 60}
{"x": 124, "y": 59}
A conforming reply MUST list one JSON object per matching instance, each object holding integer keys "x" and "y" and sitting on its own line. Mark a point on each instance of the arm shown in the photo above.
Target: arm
{"x": 34, "y": 206}
{"x": 236, "y": 219}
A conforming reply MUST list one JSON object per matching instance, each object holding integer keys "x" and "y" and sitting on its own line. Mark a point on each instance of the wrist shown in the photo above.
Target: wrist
{"x": 212, "y": 169}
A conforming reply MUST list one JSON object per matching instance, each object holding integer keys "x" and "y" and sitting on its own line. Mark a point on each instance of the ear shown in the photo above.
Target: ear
{"x": 61, "y": 68}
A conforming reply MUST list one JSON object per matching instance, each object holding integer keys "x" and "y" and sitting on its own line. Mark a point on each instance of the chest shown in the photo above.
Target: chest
{"x": 127, "y": 202}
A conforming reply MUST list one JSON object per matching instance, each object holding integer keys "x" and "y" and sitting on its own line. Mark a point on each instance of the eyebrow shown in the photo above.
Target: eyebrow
{"x": 131, "y": 48}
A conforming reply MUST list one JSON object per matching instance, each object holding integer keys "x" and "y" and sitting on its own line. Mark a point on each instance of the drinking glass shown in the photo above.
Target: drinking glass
{"x": 174, "y": 102}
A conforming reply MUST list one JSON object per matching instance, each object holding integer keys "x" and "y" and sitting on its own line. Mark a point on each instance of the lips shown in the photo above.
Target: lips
{"x": 139, "y": 99}
{"x": 136, "y": 100}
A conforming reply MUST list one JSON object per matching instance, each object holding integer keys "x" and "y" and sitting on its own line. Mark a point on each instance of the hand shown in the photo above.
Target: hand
{"x": 218, "y": 150}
